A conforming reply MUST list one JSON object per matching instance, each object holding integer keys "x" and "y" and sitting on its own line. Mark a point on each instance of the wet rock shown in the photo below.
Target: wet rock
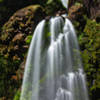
{"x": 75, "y": 12}
{"x": 47, "y": 18}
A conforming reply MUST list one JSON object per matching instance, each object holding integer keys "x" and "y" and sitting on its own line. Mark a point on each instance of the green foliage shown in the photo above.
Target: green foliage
{"x": 17, "y": 96}
{"x": 77, "y": 4}
{"x": 51, "y": 1}
{"x": 7, "y": 84}
{"x": 29, "y": 38}
{"x": 89, "y": 42}
{"x": 55, "y": 4}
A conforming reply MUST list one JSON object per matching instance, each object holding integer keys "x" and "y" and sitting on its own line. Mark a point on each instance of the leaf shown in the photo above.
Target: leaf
{"x": 48, "y": 34}
{"x": 28, "y": 40}
{"x": 49, "y": 1}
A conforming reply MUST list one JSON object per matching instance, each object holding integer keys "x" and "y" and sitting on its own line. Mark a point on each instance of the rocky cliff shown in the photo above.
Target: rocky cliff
{"x": 14, "y": 42}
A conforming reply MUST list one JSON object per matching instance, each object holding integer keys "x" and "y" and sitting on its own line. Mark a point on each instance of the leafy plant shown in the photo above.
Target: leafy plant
{"x": 89, "y": 42}
{"x": 29, "y": 38}
{"x": 17, "y": 96}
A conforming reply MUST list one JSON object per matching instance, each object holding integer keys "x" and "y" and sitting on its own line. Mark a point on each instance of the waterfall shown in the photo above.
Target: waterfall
{"x": 54, "y": 72}
{"x": 65, "y": 3}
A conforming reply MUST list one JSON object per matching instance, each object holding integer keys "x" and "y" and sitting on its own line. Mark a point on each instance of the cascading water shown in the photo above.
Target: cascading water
{"x": 65, "y": 3}
{"x": 54, "y": 71}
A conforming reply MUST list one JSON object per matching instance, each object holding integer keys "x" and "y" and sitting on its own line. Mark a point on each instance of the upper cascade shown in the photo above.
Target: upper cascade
{"x": 65, "y": 3}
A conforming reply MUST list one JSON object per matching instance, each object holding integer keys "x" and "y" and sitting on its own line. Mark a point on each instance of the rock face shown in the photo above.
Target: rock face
{"x": 19, "y": 26}
{"x": 75, "y": 11}
{"x": 14, "y": 39}
{"x": 93, "y": 8}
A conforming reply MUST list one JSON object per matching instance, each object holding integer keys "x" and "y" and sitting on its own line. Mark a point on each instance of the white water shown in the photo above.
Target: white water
{"x": 65, "y": 3}
{"x": 55, "y": 73}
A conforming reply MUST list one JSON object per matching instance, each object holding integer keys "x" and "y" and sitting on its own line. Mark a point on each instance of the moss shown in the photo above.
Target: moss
{"x": 28, "y": 39}
{"x": 22, "y": 22}
{"x": 8, "y": 83}
{"x": 89, "y": 42}
{"x": 17, "y": 95}
{"x": 14, "y": 47}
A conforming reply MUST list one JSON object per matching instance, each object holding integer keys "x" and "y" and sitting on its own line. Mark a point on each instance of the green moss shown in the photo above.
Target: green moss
{"x": 17, "y": 96}
{"x": 8, "y": 67}
{"x": 89, "y": 42}
{"x": 28, "y": 40}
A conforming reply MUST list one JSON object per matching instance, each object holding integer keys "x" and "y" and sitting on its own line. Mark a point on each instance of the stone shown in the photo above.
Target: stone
{"x": 14, "y": 48}
{"x": 75, "y": 12}
{"x": 18, "y": 27}
{"x": 23, "y": 21}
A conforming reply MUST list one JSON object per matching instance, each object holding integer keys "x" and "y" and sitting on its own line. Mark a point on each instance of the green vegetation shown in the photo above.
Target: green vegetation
{"x": 29, "y": 38}
{"x": 8, "y": 78}
{"x": 90, "y": 49}
{"x": 17, "y": 96}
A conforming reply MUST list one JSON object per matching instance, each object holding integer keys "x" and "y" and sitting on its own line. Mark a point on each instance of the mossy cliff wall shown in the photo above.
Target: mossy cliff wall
{"x": 14, "y": 42}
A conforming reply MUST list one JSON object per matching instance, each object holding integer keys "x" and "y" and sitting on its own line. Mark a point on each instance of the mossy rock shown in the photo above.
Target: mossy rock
{"x": 23, "y": 21}
{"x": 14, "y": 47}
{"x": 18, "y": 28}
{"x": 75, "y": 11}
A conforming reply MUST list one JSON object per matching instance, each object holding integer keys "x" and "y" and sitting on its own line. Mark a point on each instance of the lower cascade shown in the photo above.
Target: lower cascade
{"x": 54, "y": 68}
